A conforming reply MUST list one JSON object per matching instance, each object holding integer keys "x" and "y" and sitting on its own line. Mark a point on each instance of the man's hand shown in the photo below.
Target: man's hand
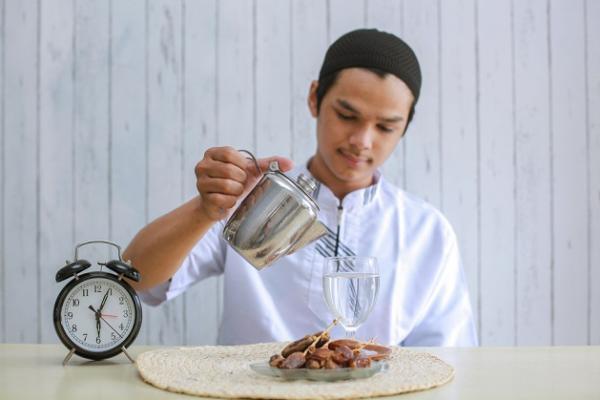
{"x": 225, "y": 176}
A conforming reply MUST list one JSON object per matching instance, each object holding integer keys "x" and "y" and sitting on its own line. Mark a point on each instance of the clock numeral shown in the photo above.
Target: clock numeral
{"x": 75, "y": 302}
{"x": 98, "y": 341}
{"x": 86, "y": 292}
{"x": 97, "y": 289}
{"x": 74, "y": 328}
{"x": 121, "y": 327}
{"x": 85, "y": 337}
{"x": 121, "y": 300}
{"x": 125, "y": 313}
{"x": 113, "y": 336}
{"x": 69, "y": 315}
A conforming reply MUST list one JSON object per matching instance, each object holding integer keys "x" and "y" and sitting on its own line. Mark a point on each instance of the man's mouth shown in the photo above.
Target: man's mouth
{"x": 353, "y": 158}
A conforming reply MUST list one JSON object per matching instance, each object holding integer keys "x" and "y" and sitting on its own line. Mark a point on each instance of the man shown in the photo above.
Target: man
{"x": 365, "y": 97}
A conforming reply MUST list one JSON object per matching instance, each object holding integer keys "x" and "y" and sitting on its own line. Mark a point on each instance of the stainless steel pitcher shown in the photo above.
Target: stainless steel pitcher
{"x": 277, "y": 218}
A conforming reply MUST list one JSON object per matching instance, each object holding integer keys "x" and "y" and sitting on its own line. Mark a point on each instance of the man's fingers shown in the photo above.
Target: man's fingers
{"x": 219, "y": 169}
{"x": 227, "y": 155}
{"x": 219, "y": 185}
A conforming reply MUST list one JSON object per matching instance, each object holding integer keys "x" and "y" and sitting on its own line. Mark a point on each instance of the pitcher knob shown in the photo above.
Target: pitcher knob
{"x": 306, "y": 183}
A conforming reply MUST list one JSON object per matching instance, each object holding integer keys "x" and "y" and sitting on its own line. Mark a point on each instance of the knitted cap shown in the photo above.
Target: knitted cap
{"x": 370, "y": 48}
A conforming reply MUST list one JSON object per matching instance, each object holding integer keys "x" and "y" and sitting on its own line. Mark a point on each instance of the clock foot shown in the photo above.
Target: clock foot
{"x": 127, "y": 354}
{"x": 68, "y": 357}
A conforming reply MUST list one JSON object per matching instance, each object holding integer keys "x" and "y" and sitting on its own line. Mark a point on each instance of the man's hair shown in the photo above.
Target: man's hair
{"x": 326, "y": 82}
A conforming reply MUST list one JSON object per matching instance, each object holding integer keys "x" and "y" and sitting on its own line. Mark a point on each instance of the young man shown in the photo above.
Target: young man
{"x": 363, "y": 101}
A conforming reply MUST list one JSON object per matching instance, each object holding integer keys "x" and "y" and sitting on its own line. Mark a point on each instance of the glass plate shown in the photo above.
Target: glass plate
{"x": 324, "y": 375}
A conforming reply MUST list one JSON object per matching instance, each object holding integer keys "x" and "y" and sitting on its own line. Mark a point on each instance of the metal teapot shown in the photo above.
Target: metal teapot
{"x": 277, "y": 218}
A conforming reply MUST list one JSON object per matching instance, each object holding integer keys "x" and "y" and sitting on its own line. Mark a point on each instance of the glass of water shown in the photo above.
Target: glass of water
{"x": 350, "y": 286}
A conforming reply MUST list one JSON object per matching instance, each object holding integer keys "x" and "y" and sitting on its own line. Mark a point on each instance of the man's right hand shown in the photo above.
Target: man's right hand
{"x": 225, "y": 176}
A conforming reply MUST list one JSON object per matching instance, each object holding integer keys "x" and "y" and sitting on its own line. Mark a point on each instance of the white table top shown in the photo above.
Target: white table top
{"x": 29, "y": 371}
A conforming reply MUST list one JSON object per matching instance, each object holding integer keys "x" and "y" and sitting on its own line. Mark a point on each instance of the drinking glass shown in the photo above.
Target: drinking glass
{"x": 350, "y": 286}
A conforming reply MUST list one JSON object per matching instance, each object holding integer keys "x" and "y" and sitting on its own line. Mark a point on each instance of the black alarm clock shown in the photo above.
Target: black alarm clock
{"x": 97, "y": 315}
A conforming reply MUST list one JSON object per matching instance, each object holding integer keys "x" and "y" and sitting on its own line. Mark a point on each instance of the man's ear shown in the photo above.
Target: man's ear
{"x": 312, "y": 99}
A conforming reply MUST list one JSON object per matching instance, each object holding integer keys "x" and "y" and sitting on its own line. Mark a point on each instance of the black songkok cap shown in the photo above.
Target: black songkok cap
{"x": 370, "y": 48}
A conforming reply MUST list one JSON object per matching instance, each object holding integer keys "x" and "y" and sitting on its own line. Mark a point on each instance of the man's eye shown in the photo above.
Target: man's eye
{"x": 345, "y": 117}
{"x": 386, "y": 129}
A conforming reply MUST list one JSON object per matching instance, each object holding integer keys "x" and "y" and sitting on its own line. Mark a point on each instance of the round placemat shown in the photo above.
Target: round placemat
{"x": 223, "y": 371}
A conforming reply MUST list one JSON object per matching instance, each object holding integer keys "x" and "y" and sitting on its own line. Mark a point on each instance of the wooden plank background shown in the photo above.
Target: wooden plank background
{"x": 107, "y": 106}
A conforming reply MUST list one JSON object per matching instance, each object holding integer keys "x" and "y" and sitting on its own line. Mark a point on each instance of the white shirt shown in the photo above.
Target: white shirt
{"x": 422, "y": 299}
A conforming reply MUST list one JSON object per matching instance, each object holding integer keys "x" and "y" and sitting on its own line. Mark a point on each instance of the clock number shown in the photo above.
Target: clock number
{"x": 121, "y": 300}
{"x": 86, "y": 292}
{"x": 97, "y": 289}
{"x": 121, "y": 327}
{"x": 85, "y": 337}
{"x": 76, "y": 302}
{"x": 113, "y": 336}
{"x": 74, "y": 328}
{"x": 125, "y": 313}
{"x": 98, "y": 340}
{"x": 69, "y": 315}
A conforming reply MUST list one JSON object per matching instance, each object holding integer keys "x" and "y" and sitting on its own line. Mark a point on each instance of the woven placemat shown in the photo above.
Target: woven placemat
{"x": 223, "y": 371}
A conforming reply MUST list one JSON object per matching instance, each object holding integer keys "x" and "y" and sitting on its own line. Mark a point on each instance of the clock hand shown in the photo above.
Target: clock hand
{"x": 97, "y": 315}
{"x": 110, "y": 326}
{"x": 103, "y": 302}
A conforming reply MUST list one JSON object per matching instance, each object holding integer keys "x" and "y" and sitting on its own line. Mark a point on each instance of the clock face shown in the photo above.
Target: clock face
{"x": 97, "y": 314}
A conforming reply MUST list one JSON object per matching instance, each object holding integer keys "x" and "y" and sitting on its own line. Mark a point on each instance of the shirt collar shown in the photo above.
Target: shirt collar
{"x": 326, "y": 199}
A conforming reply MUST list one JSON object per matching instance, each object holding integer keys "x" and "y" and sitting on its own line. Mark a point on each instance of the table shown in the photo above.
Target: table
{"x": 32, "y": 371}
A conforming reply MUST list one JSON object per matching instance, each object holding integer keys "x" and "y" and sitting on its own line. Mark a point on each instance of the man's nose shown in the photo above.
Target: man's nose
{"x": 362, "y": 137}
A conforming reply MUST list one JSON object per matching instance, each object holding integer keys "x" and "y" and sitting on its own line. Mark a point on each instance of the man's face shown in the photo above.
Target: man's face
{"x": 361, "y": 119}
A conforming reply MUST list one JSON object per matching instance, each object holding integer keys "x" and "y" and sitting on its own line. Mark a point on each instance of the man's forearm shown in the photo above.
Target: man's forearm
{"x": 162, "y": 245}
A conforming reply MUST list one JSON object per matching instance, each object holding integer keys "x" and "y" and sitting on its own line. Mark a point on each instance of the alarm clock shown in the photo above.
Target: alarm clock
{"x": 97, "y": 315}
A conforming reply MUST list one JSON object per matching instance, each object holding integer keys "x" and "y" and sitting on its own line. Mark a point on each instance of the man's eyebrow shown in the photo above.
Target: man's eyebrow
{"x": 346, "y": 105}
{"x": 343, "y": 103}
{"x": 397, "y": 118}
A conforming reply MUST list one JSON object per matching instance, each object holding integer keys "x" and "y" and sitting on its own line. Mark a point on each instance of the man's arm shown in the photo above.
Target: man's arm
{"x": 160, "y": 247}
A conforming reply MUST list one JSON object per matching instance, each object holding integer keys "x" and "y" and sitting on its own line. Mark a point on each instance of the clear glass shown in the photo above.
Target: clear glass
{"x": 350, "y": 287}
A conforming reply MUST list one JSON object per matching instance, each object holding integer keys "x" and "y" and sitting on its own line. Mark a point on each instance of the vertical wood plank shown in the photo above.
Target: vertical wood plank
{"x": 91, "y": 139}
{"x": 201, "y": 315}
{"x": 532, "y": 173}
{"x": 309, "y": 44}
{"x": 56, "y": 153}
{"x": 2, "y": 175}
{"x": 459, "y": 137}
{"x": 496, "y": 171}
{"x": 593, "y": 131}
{"x": 128, "y": 156}
{"x": 388, "y": 15}
{"x": 569, "y": 191}
{"x": 272, "y": 77}
{"x": 422, "y": 141}
{"x": 165, "y": 323}
{"x": 236, "y": 79}
{"x": 21, "y": 171}
{"x": 344, "y": 16}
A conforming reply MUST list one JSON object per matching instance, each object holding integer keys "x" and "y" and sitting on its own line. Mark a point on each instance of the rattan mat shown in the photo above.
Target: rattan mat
{"x": 223, "y": 371}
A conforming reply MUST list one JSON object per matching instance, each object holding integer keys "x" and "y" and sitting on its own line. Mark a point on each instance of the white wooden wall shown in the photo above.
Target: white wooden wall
{"x": 106, "y": 106}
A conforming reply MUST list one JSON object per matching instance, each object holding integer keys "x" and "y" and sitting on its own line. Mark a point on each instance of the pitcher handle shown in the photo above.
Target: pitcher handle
{"x": 253, "y": 159}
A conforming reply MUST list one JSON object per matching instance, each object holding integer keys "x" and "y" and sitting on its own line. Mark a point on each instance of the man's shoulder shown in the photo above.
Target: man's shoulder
{"x": 415, "y": 210}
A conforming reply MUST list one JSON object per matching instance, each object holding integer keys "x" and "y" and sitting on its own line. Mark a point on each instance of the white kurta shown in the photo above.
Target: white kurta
{"x": 422, "y": 301}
